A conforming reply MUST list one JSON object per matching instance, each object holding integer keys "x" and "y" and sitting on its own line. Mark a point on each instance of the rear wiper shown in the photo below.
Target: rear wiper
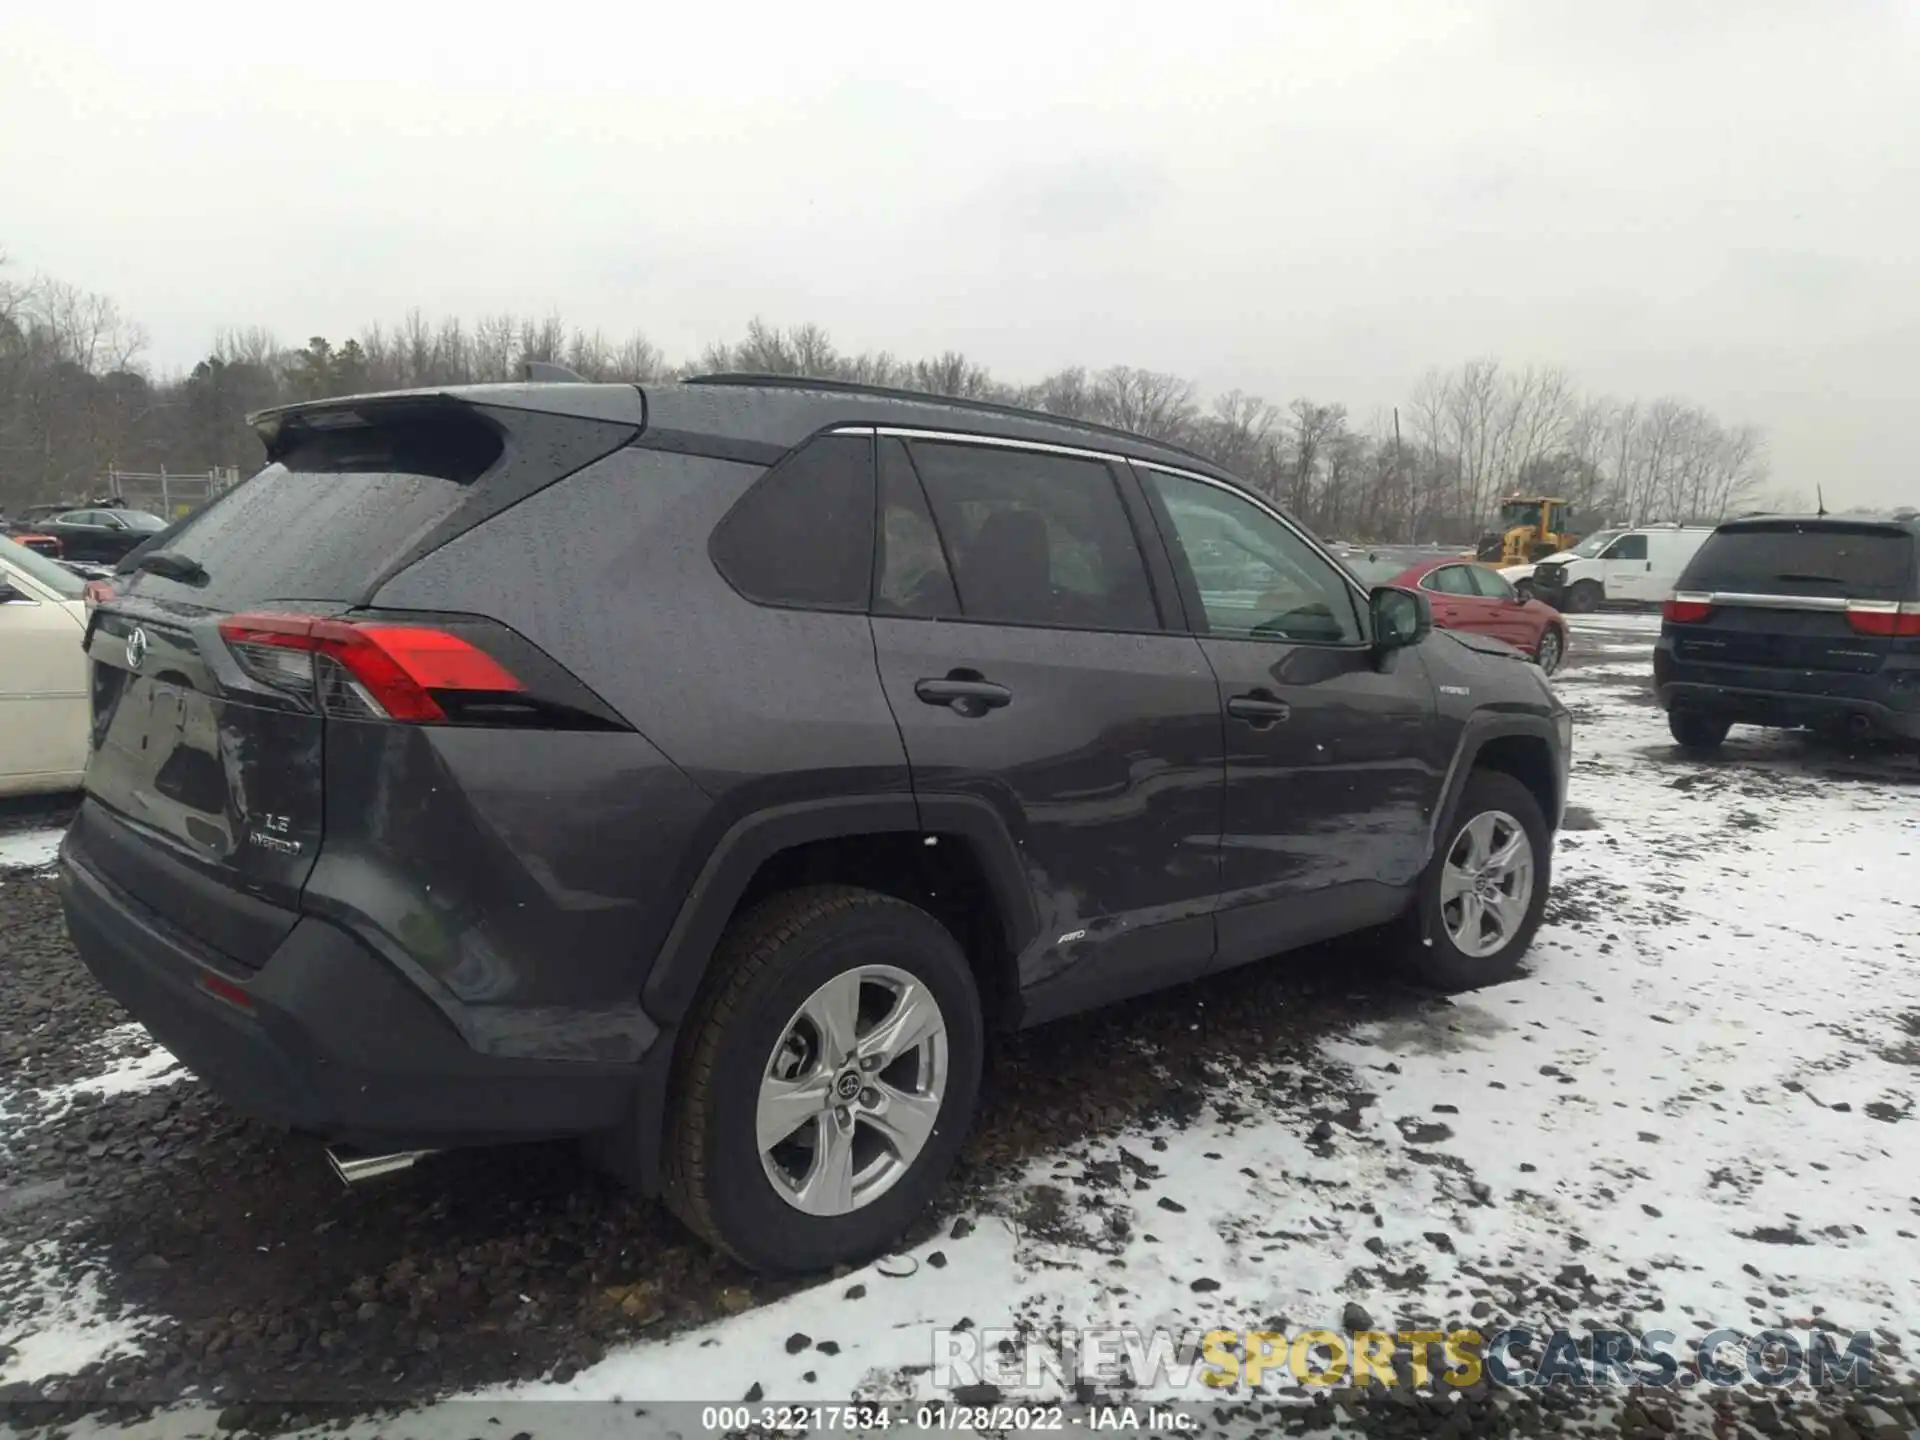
{"x": 1809, "y": 579}
{"x": 173, "y": 566}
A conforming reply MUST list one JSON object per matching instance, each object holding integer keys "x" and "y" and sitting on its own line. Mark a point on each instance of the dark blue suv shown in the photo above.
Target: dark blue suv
{"x": 1785, "y": 621}
{"x": 705, "y": 770}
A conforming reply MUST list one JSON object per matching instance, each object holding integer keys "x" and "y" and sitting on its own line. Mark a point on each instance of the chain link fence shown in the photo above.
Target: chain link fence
{"x": 169, "y": 494}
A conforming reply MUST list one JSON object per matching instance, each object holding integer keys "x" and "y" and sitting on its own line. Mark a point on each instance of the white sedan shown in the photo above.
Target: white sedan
{"x": 43, "y": 674}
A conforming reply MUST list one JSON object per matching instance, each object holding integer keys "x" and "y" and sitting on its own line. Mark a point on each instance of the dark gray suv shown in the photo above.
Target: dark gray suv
{"x": 705, "y": 770}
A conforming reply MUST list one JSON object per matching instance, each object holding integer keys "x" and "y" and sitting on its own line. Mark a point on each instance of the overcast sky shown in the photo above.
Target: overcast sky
{"x": 1715, "y": 199}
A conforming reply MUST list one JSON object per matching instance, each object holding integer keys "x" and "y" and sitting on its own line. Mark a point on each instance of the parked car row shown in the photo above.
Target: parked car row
{"x": 99, "y": 534}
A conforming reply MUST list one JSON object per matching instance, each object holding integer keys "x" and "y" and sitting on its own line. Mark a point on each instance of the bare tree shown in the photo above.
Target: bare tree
{"x": 74, "y": 399}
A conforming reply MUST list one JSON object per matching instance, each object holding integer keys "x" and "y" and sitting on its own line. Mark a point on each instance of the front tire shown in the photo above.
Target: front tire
{"x": 1584, "y": 597}
{"x": 1698, "y": 733}
{"x": 1482, "y": 897}
{"x": 827, "y": 1079}
{"x": 1551, "y": 650}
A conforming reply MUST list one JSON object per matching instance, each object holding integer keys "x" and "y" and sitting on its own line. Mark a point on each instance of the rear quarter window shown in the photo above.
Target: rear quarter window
{"x": 1859, "y": 562}
{"x": 803, "y": 535}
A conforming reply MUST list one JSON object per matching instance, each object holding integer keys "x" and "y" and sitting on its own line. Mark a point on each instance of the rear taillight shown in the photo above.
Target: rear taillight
{"x": 381, "y": 671}
{"x": 1687, "y": 608}
{"x": 1884, "y": 617}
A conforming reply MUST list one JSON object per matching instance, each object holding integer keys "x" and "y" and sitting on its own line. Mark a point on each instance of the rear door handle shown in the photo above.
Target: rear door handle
{"x": 963, "y": 694}
{"x": 1259, "y": 709}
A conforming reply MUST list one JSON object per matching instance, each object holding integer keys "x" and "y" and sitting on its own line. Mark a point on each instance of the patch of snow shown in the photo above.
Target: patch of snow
{"x": 52, "y": 1321}
{"x": 29, "y": 849}
{"x": 135, "y": 1062}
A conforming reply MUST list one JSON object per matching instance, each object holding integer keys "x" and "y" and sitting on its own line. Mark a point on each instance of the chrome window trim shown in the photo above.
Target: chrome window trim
{"x": 1001, "y": 442}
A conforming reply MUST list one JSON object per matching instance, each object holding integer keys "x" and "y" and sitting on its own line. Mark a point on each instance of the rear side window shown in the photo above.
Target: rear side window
{"x": 1452, "y": 580}
{"x": 1859, "y": 562}
{"x": 803, "y": 535}
{"x": 1036, "y": 539}
{"x": 326, "y": 519}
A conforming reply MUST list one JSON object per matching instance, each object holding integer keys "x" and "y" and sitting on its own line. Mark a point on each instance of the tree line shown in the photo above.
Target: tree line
{"x": 76, "y": 401}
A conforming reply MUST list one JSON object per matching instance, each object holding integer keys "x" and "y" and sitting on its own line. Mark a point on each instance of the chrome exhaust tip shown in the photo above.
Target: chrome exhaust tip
{"x": 354, "y": 1168}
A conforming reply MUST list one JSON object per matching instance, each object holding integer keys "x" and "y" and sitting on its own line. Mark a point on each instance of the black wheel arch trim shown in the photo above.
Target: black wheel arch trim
{"x": 1482, "y": 728}
{"x": 710, "y": 902}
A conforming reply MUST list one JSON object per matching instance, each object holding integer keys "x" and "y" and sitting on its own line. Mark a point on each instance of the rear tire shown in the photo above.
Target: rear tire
{"x": 1584, "y": 597}
{"x": 1695, "y": 732}
{"x": 1485, "y": 890}
{"x": 755, "y": 1058}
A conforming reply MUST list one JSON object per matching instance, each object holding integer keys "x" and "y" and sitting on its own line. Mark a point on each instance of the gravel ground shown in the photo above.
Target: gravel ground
{"x": 155, "y": 1248}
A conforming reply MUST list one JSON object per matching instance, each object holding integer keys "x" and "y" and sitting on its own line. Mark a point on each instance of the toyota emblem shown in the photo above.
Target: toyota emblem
{"x": 136, "y": 648}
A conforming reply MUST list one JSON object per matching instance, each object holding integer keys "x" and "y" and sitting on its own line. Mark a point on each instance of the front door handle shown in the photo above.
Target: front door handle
{"x": 1259, "y": 709}
{"x": 964, "y": 693}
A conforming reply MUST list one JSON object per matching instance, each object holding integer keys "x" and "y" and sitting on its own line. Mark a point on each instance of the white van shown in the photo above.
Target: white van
{"x": 1637, "y": 567}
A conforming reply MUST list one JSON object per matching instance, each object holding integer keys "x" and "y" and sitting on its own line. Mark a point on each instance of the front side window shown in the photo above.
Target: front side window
{"x": 1036, "y": 539}
{"x": 1257, "y": 578}
{"x": 1490, "y": 584}
{"x": 1627, "y": 547}
{"x": 803, "y": 535}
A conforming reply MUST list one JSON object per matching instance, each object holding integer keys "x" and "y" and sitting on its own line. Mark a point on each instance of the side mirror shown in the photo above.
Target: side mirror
{"x": 1400, "y": 617}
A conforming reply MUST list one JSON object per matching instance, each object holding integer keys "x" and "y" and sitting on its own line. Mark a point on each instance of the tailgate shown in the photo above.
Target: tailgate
{"x": 200, "y": 783}
{"x": 1776, "y": 637}
{"x": 1802, "y": 597}
{"x": 205, "y": 791}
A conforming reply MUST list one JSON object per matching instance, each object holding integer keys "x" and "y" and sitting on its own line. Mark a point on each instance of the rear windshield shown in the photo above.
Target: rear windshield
{"x": 1861, "y": 562}
{"x": 326, "y": 520}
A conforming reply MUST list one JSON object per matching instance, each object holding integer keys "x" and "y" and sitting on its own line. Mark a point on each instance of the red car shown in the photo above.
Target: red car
{"x": 1465, "y": 596}
{"x": 47, "y": 545}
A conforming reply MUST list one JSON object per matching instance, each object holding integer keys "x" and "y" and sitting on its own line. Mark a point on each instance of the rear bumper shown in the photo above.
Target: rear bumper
{"x": 1783, "y": 708}
{"x": 329, "y": 1039}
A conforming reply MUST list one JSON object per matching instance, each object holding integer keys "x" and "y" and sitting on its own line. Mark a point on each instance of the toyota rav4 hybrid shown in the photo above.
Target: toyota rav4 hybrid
{"x": 706, "y": 770}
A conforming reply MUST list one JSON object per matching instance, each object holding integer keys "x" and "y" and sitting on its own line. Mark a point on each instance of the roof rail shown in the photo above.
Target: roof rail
{"x": 928, "y": 397}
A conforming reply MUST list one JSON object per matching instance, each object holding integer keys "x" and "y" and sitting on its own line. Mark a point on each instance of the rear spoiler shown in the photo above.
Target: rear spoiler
{"x": 573, "y": 399}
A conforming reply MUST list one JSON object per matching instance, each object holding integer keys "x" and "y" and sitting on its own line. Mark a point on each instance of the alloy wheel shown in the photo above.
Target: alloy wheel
{"x": 1548, "y": 657}
{"x": 852, "y": 1090}
{"x": 1486, "y": 883}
